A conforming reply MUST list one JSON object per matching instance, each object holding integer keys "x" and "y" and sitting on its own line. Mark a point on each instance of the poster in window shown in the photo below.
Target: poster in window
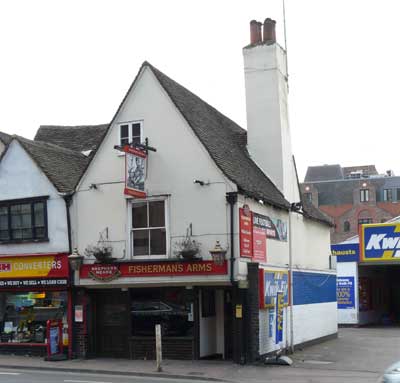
{"x": 246, "y": 232}
{"x": 135, "y": 172}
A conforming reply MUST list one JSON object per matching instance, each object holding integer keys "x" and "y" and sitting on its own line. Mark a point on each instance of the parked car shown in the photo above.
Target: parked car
{"x": 392, "y": 374}
{"x": 173, "y": 318}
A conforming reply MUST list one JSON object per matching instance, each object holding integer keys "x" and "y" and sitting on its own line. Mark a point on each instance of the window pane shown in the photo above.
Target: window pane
{"x": 139, "y": 215}
{"x": 124, "y": 141}
{"x": 124, "y": 131}
{"x": 136, "y": 140}
{"x": 40, "y": 232}
{"x": 39, "y": 213}
{"x": 4, "y": 235}
{"x": 16, "y": 234}
{"x": 3, "y": 218}
{"x": 141, "y": 242}
{"x": 136, "y": 130}
{"x": 157, "y": 242}
{"x": 27, "y": 233}
{"x": 156, "y": 214}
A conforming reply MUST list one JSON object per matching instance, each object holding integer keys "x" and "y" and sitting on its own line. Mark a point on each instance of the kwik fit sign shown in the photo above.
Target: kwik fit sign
{"x": 380, "y": 242}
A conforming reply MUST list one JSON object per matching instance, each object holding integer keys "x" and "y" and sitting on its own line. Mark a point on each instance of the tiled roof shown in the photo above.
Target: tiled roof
{"x": 5, "y": 138}
{"x": 224, "y": 140}
{"x": 62, "y": 166}
{"x": 79, "y": 138}
{"x": 312, "y": 212}
{"x": 323, "y": 173}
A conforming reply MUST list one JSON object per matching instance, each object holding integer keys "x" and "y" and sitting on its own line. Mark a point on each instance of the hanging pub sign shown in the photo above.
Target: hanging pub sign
{"x": 246, "y": 231}
{"x": 135, "y": 171}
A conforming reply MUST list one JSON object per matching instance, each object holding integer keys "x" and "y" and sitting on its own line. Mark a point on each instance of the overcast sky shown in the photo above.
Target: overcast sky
{"x": 71, "y": 62}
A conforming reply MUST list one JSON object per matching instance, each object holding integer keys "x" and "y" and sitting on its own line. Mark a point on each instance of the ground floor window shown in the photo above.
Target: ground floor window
{"x": 23, "y": 315}
{"x": 169, "y": 307}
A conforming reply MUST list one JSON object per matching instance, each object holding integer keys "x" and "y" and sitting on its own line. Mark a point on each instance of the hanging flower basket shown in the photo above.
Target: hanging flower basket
{"x": 103, "y": 254}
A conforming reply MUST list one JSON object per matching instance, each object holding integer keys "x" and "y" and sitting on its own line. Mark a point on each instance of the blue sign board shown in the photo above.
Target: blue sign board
{"x": 348, "y": 252}
{"x": 275, "y": 282}
{"x": 345, "y": 293}
{"x": 380, "y": 242}
{"x": 279, "y": 318}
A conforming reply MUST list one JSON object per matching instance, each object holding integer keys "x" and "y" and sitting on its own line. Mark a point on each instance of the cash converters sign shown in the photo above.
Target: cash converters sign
{"x": 34, "y": 271}
{"x": 380, "y": 242}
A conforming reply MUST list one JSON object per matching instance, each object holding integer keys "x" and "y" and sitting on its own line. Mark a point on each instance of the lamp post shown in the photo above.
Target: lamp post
{"x": 218, "y": 254}
{"x": 75, "y": 260}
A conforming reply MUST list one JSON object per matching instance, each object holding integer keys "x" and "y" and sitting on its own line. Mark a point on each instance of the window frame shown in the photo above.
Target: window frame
{"x": 364, "y": 195}
{"x": 367, "y": 221}
{"x": 166, "y": 225}
{"x": 24, "y": 201}
{"x": 346, "y": 226}
{"x": 130, "y": 135}
{"x": 387, "y": 195}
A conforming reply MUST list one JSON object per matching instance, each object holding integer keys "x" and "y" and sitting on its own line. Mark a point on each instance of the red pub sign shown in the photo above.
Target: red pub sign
{"x": 246, "y": 232}
{"x": 105, "y": 273}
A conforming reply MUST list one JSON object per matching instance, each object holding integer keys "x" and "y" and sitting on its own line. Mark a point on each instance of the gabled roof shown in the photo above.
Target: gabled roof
{"x": 224, "y": 140}
{"x": 63, "y": 167}
{"x": 79, "y": 138}
{"x": 5, "y": 138}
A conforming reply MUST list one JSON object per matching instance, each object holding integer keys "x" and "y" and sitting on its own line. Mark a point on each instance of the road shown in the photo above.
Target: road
{"x": 27, "y": 376}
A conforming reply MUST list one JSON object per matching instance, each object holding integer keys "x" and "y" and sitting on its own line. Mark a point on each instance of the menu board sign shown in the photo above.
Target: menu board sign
{"x": 246, "y": 231}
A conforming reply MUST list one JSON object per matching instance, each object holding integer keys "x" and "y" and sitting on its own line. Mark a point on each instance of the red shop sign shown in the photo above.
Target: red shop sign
{"x": 246, "y": 232}
{"x": 152, "y": 269}
{"x": 259, "y": 244}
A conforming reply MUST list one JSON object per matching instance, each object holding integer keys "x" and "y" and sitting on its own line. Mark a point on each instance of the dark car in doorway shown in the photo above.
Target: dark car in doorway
{"x": 173, "y": 318}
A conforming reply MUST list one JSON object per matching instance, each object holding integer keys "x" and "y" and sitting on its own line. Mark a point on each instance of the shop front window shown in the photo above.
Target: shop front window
{"x": 172, "y": 308}
{"x": 24, "y": 315}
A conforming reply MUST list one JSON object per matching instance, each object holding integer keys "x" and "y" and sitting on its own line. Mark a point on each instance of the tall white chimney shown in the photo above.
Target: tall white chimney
{"x": 268, "y": 134}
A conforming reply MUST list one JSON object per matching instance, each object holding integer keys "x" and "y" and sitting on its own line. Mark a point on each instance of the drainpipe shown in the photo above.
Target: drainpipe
{"x": 68, "y": 199}
{"x": 291, "y": 280}
{"x": 231, "y": 198}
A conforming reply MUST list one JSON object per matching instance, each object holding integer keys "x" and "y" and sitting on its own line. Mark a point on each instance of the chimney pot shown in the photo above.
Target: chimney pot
{"x": 255, "y": 32}
{"x": 269, "y": 31}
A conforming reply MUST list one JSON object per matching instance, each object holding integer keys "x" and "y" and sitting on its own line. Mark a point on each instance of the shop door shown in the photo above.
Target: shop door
{"x": 112, "y": 324}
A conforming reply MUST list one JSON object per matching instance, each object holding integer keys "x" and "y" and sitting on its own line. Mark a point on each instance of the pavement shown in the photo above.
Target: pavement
{"x": 357, "y": 355}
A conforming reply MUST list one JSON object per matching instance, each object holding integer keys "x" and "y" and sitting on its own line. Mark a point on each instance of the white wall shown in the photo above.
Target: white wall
{"x": 314, "y": 321}
{"x": 20, "y": 177}
{"x": 268, "y": 130}
{"x": 349, "y": 269}
{"x": 208, "y": 333}
{"x": 179, "y": 160}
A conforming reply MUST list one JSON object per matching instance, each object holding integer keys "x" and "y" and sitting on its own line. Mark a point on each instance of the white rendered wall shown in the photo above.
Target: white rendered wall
{"x": 208, "y": 333}
{"x": 20, "y": 177}
{"x": 268, "y": 130}
{"x": 349, "y": 269}
{"x": 179, "y": 160}
{"x": 314, "y": 321}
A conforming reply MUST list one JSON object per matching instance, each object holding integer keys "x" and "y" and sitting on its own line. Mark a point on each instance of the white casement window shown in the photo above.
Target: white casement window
{"x": 364, "y": 195}
{"x": 387, "y": 194}
{"x": 149, "y": 228}
{"x": 131, "y": 132}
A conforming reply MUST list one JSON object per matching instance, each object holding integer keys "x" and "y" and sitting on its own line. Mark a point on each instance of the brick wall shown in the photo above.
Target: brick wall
{"x": 252, "y": 310}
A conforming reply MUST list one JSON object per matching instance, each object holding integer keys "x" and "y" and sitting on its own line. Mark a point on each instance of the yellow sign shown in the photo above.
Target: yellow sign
{"x": 33, "y": 267}
{"x": 239, "y": 312}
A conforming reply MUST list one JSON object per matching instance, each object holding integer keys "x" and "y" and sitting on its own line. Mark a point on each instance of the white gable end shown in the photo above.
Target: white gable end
{"x": 21, "y": 178}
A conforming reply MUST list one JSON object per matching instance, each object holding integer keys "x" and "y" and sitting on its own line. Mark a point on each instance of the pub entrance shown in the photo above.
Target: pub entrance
{"x": 112, "y": 326}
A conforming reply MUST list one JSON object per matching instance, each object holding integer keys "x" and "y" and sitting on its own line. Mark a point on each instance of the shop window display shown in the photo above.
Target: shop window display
{"x": 24, "y": 315}
{"x": 171, "y": 308}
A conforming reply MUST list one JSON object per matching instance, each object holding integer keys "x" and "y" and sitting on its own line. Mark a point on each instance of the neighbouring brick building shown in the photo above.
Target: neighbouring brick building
{"x": 352, "y": 196}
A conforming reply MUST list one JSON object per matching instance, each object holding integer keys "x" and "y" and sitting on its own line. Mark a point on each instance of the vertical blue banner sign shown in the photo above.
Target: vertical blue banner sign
{"x": 345, "y": 293}
{"x": 280, "y": 301}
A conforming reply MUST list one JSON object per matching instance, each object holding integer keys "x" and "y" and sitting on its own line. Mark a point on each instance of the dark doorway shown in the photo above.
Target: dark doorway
{"x": 112, "y": 323}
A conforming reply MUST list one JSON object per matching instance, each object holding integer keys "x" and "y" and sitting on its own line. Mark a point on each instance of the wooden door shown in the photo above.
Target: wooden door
{"x": 112, "y": 324}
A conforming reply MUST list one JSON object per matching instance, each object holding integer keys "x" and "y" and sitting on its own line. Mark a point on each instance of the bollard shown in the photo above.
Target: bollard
{"x": 158, "y": 347}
